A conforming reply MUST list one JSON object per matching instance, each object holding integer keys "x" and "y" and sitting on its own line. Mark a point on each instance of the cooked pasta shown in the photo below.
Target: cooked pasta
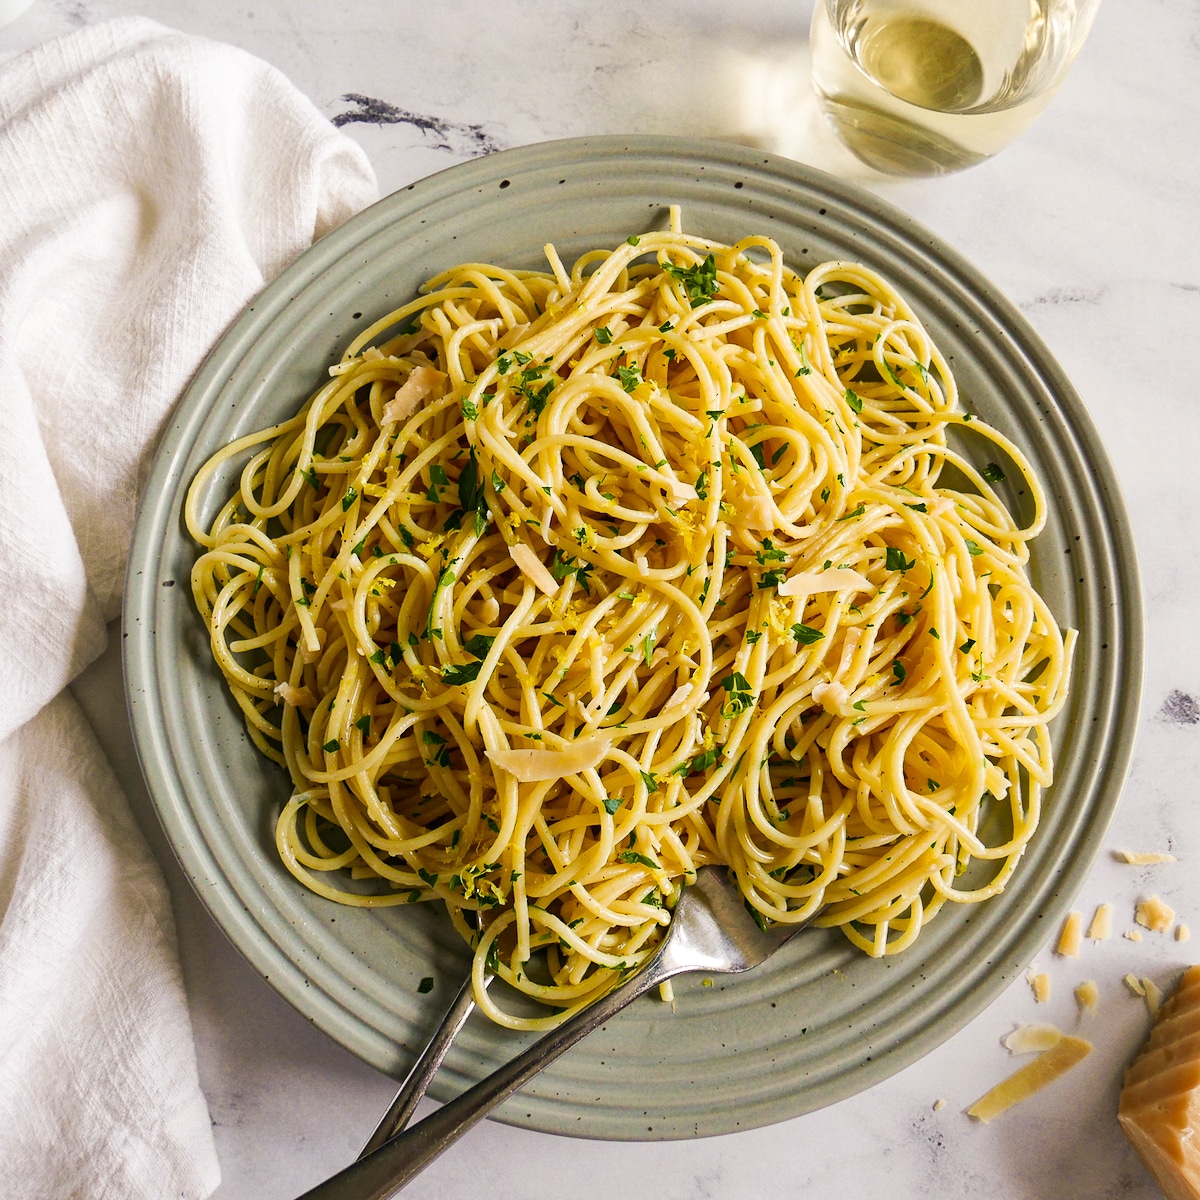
{"x": 568, "y": 582}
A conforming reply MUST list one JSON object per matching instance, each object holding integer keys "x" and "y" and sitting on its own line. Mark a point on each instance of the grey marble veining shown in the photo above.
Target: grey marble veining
{"x": 1088, "y": 223}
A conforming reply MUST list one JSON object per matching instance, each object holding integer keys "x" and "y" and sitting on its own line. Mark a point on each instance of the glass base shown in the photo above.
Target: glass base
{"x": 891, "y": 144}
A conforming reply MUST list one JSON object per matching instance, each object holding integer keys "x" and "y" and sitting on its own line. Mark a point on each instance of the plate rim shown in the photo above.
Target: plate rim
{"x": 158, "y": 508}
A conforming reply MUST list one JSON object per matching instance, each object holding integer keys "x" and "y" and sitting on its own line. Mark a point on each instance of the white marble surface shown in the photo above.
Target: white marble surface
{"x": 1089, "y": 223}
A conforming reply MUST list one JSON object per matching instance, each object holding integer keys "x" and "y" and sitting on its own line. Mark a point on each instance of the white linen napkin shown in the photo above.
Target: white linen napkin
{"x": 150, "y": 184}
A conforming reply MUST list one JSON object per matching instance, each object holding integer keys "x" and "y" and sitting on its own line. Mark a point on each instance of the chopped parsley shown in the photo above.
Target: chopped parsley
{"x": 632, "y": 856}
{"x": 740, "y": 696}
{"x": 806, "y": 635}
{"x": 699, "y": 281}
{"x": 478, "y": 644}
{"x": 456, "y": 676}
{"x": 630, "y": 377}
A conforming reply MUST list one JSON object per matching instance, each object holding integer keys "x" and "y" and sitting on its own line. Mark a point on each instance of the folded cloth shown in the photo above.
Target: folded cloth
{"x": 150, "y": 184}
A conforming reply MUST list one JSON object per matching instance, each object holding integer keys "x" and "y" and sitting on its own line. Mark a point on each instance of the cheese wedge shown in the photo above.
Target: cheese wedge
{"x": 1160, "y": 1101}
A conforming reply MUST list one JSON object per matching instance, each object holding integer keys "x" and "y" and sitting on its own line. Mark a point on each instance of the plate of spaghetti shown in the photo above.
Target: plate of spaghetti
{"x": 602, "y": 509}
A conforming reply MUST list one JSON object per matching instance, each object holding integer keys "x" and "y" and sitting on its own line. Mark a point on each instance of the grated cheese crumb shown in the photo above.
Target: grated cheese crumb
{"x": 1087, "y": 996}
{"x": 1141, "y": 858}
{"x": 1134, "y": 935}
{"x": 1101, "y": 926}
{"x": 1154, "y": 914}
{"x": 1070, "y": 940}
{"x": 1182, "y": 932}
{"x": 938, "y": 1105}
{"x": 1040, "y": 982}
{"x": 1134, "y": 984}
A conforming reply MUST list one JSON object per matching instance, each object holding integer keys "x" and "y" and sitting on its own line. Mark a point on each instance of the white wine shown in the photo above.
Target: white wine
{"x": 911, "y": 94}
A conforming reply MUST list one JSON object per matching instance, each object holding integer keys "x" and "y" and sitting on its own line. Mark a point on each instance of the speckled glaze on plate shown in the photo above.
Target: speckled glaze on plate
{"x": 820, "y": 1021}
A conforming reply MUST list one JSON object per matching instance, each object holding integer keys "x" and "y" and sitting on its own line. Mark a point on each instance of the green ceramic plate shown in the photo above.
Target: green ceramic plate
{"x": 819, "y": 1022}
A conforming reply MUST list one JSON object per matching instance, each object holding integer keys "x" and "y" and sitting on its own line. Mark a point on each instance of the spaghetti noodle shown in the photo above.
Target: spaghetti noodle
{"x": 568, "y": 582}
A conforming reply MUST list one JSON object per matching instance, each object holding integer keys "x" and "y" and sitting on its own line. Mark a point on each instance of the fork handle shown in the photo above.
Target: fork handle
{"x": 382, "y": 1174}
{"x": 424, "y": 1069}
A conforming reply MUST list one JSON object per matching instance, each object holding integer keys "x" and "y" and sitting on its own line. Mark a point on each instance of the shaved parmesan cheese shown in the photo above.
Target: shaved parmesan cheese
{"x": 298, "y": 697}
{"x": 678, "y": 492}
{"x": 1101, "y": 926}
{"x": 1071, "y": 939}
{"x": 1134, "y": 984}
{"x": 1160, "y": 1099}
{"x": 1031, "y": 1078}
{"x": 1141, "y": 858}
{"x": 1134, "y": 935}
{"x": 1040, "y": 982}
{"x": 415, "y": 388}
{"x": 1087, "y": 995}
{"x": 1031, "y": 1039}
{"x": 533, "y": 568}
{"x": 832, "y": 695}
{"x": 1182, "y": 932}
{"x": 679, "y": 698}
{"x": 756, "y": 511}
{"x": 534, "y": 766}
{"x": 1154, "y": 914}
{"x": 372, "y": 354}
{"x": 837, "y": 579}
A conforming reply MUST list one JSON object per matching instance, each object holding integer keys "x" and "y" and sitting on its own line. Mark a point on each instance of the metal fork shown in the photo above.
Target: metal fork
{"x": 417, "y": 1081}
{"x": 711, "y": 930}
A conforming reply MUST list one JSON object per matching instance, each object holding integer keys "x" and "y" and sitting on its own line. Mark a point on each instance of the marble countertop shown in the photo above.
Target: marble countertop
{"x": 1088, "y": 224}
